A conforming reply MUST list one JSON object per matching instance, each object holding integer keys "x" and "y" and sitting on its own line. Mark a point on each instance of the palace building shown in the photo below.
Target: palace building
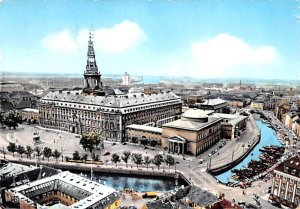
{"x": 95, "y": 109}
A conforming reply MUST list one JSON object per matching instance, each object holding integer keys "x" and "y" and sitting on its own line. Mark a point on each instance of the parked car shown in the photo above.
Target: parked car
{"x": 241, "y": 203}
{"x": 106, "y": 153}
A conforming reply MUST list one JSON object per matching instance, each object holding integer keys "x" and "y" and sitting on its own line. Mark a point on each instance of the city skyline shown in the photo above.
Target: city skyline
{"x": 207, "y": 39}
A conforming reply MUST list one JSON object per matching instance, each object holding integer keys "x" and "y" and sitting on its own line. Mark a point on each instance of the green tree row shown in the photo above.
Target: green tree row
{"x": 138, "y": 159}
{"x": 29, "y": 151}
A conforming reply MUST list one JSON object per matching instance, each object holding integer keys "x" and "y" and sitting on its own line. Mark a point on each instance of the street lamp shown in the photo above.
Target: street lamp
{"x": 3, "y": 153}
{"x": 62, "y": 156}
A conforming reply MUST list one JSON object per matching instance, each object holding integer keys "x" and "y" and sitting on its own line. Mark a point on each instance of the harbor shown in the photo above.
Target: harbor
{"x": 260, "y": 159}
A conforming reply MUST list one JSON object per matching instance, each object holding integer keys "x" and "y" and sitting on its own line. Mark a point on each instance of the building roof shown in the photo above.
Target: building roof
{"x": 201, "y": 197}
{"x": 194, "y": 113}
{"x": 30, "y": 110}
{"x": 145, "y": 128}
{"x": 289, "y": 165}
{"x": 111, "y": 101}
{"x": 88, "y": 192}
{"x": 233, "y": 119}
{"x": 160, "y": 204}
{"x": 180, "y": 198}
{"x": 177, "y": 139}
{"x": 13, "y": 169}
{"x": 191, "y": 124}
{"x": 213, "y": 102}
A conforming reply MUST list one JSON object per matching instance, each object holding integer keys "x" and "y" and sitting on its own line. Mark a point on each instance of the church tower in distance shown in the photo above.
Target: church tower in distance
{"x": 92, "y": 76}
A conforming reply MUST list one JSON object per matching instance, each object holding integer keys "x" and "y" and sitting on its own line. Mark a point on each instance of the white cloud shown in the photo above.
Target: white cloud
{"x": 62, "y": 41}
{"x": 118, "y": 39}
{"x": 226, "y": 54}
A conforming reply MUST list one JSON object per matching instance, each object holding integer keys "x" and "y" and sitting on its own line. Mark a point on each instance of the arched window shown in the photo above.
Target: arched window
{"x": 112, "y": 126}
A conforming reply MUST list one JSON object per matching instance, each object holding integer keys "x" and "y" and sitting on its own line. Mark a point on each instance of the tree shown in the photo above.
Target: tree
{"x": 170, "y": 161}
{"x": 115, "y": 158}
{"x": 12, "y": 119}
{"x": 29, "y": 151}
{"x": 1, "y": 118}
{"x": 56, "y": 154}
{"x": 12, "y": 147}
{"x": 84, "y": 157}
{"x": 89, "y": 141}
{"x": 137, "y": 158}
{"x": 38, "y": 152}
{"x": 158, "y": 160}
{"x": 76, "y": 155}
{"x": 21, "y": 150}
{"x": 147, "y": 161}
{"x": 125, "y": 157}
{"x": 47, "y": 152}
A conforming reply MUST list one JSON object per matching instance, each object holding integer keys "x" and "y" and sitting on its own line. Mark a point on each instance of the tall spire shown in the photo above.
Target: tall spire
{"x": 91, "y": 65}
{"x": 92, "y": 77}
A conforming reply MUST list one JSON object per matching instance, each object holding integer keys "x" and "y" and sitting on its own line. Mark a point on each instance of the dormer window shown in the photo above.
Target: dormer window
{"x": 286, "y": 169}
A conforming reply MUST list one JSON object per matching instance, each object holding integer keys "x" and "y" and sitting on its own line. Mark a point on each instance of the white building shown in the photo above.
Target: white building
{"x": 126, "y": 79}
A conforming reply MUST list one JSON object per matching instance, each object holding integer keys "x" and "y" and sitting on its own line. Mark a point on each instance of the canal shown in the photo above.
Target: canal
{"x": 137, "y": 183}
{"x": 268, "y": 137}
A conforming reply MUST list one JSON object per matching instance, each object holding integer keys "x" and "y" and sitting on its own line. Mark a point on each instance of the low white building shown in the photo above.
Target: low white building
{"x": 64, "y": 190}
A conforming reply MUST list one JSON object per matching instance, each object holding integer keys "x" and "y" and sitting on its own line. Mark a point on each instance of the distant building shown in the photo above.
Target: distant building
{"x": 194, "y": 133}
{"x": 64, "y": 190}
{"x": 10, "y": 86}
{"x": 257, "y": 105}
{"x": 290, "y": 118}
{"x": 296, "y": 127}
{"x": 282, "y": 109}
{"x": 193, "y": 100}
{"x": 217, "y": 105}
{"x": 30, "y": 115}
{"x": 126, "y": 79}
{"x": 17, "y": 100}
{"x": 286, "y": 183}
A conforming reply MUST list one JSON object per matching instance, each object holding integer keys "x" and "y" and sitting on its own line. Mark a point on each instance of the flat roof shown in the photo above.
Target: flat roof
{"x": 145, "y": 128}
{"x": 190, "y": 124}
{"x": 30, "y": 110}
{"x": 233, "y": 118}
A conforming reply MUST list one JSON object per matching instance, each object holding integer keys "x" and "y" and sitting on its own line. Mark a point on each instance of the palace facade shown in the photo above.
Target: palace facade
{"x": 107, "y": 114}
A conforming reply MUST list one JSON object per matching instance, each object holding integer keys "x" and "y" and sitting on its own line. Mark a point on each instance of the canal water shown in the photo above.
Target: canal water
{"x": 268, "y": 137}
{"x": 137, "y": 183}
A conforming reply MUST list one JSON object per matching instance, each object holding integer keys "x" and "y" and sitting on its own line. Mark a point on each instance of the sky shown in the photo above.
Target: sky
{"x": 194, "y": 38}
